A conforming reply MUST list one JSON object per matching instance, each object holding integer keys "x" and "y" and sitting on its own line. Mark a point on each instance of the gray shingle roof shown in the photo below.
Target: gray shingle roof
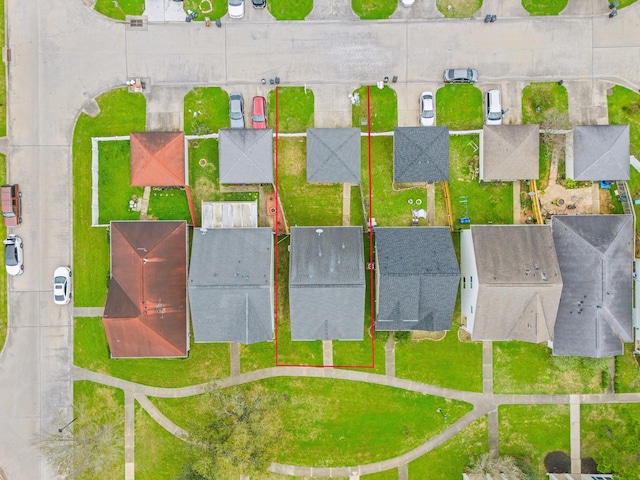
{"x": 510, "y": 152}
{"x": 333, "y": 155}
{"x": 601, "y": 152}
{"x": 519, "y": 282}
{"x": 595, "y": 253}
{"x": 231, "y": 285}
{"x": 246, "y": 155}
{"x": 326, "y": 283}
{"x": 418, "y": 278}
{"x": 421, "y": 154}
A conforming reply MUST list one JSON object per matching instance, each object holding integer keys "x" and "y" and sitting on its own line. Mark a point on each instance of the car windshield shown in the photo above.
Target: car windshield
{"x": 8, "y": 214}
{"x": 59, "y": 281}
{"x": 59, "y": 298}
{"x": 258, "y": 118}
{"x": 235, "y": 3}
{"x": 494, "y": 116}
{"x": 10, "y": 255}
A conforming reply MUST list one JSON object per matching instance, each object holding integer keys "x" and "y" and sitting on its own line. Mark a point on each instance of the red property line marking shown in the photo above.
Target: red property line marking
{"x": 371, "y": 276}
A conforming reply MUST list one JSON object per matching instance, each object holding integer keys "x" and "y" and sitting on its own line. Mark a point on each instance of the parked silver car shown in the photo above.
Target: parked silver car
{"x": 460, "y": 75}
{"x": 427, "y": 109}
{"x": 236, "y": 110}
{"x": 13, "y": 255}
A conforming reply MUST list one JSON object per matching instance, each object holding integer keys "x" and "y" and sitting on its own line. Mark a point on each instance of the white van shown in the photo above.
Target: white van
{"x": 493, "y": 108}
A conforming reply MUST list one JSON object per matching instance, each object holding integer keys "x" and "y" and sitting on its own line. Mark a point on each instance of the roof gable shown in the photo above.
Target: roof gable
{"x": 157, "y": 159}
{"x": 420, "y": 154}
{"x": 246, "y": 155}
{"x": 333, "y": 155}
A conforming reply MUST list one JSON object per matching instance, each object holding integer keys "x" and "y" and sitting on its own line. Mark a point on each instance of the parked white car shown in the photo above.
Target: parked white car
{"x": 493, "y": 108}
{"x": 13, "y": 255}
{"x": 236, "y": 8}
{"x": 427, "y": 109}
{"x": 62, "y": 285}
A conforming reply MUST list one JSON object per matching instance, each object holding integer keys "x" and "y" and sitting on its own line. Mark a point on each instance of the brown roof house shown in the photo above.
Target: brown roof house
{"x": 157, "y": 159}
{"x": 511, "y": 282}
{"x": 600, "y": 152}
{"x": 145, "y": 314}
{"x": 510, "y": 153}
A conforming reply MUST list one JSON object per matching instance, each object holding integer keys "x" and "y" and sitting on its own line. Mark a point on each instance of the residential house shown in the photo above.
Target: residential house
{"x": 600, "y": 152}
{"x": 510, "y": 153}
{"x": 333, "y": 155}
{"x": 246, "y": 155}
{"x": 421, "y": 154}
{"x": 157, "y": 159}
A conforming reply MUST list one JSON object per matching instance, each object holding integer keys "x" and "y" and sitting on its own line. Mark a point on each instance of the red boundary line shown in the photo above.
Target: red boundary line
{"x": 370, "y": 265}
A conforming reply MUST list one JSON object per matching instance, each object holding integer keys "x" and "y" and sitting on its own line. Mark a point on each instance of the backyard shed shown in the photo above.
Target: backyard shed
{"x": 326, "y": 283}
{"x": 146, "y": 310}
{"x": 421, "y": 154}
{"x": 231, "y": 285}
{"x": 333, "y": 155}
{"x": 157, "y": 159}
{"x": 595, "y": 253}
{"x": 417, "y": 278}
{"x": 246, "y": 155}
{"x": 600, "y": 152}
{"x": 510, "y": 153}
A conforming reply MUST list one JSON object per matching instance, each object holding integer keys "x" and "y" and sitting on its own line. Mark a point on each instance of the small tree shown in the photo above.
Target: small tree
{"x": 620, "y": 450}
{"x": 494, "y": 466}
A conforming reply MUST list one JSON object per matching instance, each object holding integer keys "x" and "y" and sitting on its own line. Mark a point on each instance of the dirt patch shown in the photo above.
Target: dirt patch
{"x": 557, "y": 462}
{"x": 204, "y": 189}
{"x": 419, "y": 335}
{"x": 589, "y": 466}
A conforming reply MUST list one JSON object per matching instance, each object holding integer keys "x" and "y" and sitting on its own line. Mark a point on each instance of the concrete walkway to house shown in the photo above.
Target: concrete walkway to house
{"x": 517, "y": 211}
{"x": 327, "y": 353}
{"x": 234, "y": 352}
{"x": 346, "y": 204}
{"x": 574, "y": 435}
{"x": 129, "y": 436}
{"x": 390, "y": 357}
{"x": 88, "y": 311}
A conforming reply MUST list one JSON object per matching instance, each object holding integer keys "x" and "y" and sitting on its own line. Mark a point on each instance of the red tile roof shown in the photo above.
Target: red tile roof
{"x": 157, "y": 159}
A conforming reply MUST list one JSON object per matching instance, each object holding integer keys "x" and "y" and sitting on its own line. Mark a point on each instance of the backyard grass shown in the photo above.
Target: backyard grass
{"x": 488, "y": 202}
{"x": 551, "y": 99}
{"x": 449, "y": 460}
{"x": 627, "y": 371}
{"x": 257, "y": 356}
{"x": 119, "y": 9}
{"x": 441, "y": 217}
{"x": 159, "y": 454}
{"x": 544, "y": 7}
{"x": 114, "y": 179}
{"x": 384, "y": 109}
{"x": 305, "y": 204}
{"x": 356, "y": 208}
{"x": 385, "y": 475}
{"x": 525, "y": 433}
{"x": 121, "y": 113}
{"x": 374, "y": 9}
{"x": 390, "y": 204}
{"x": 295, "y": 109}
{"x": 521, "y": 367}
{"x": 99, "y": 404}
{"x": 286, "y": 10}
{"x": 206, "y": 110}
{"x": 169, "y": 204}
{"x": 459, "y": 107}
{"x": 458, "y": 8}
{"x": 206, "y": 361}
{"x": 546, "y": 155}
{"x": 333, "y": 423}
{"x": 206, "y": 8}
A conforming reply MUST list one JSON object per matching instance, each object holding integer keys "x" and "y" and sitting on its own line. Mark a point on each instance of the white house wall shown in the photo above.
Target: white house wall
{"x": 468, "y": 280}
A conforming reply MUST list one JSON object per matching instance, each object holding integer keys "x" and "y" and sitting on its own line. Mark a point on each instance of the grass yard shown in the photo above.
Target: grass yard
{"x": 206, "y": 361}
{"x": 3, "y": 278}
{"x": 390, "y": 204}
{"x": 169, "y": 204}
{"x": 449, "y": 460}
{"x": 286, "y": 10}
{"x": 546, "y": 155}
{"x": 488, "y": 202}
{"x": 290, "y": 352}
{"x": 119, "y": 9}
{"x": 295, "y": 108}
{"x": 305, "y": 204}
{"x": 544, "y": 7}
{"x": 374, "y": 9}
{"x": 159, "y": 454}
{"x": 206, "y": 8}
{"x": 384, "y": 109}
{"x": 441, "y": 217}
{"x": 627, "y": 371}
{"x": 257, "y": 356}
{"x": 121, "y": 113}
{"x": 335, "y": 423}
{"x": 3, "y": 80}
{"x": 521, "y": 367}
{"x": 114, "y": 178}
{"x": 206, "y": 109}
{"x": 356, "y": 208}
{"x": 525, "y": 433}
{"x": 458, "y": 8}
{"x": 459, "y": 107}
{"x": 386, "y": 475}
{"x": 99, "y": 404}
{"x": 551, "y": 99}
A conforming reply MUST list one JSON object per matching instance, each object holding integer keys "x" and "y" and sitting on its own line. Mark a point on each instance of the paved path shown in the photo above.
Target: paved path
{"x": 327, "y": 353}
{"x": 390, "y": 357}
{"x": 234, "y": 353}
{"x": 346, "y": 204}
{"x": 129, "y": 435}
{"x": 88, "y": 311}
{"x": 574, "y": 427}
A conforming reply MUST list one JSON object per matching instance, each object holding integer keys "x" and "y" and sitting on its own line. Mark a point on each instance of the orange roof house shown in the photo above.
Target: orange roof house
{"x": 145, "y": 314}
{"x": 157, "y": 159}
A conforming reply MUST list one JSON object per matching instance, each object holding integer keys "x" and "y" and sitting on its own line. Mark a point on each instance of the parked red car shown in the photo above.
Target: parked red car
{"x": 259, "y": 112}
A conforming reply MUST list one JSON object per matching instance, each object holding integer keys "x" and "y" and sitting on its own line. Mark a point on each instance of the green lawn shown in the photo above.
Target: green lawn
{"x": 386, "y": 475}
{"x": 449, "y": 460}
{"x": 546, "y": 155}
{"x": 488, "y": 202}
{"x": 525, "y": 432}
{"x": 286, "y": 10}
{"x": 114, "y": 179}
{"x": 159, "y": 454}
{"x": 458, "y": 8}
{"x": 295, "y": 109}
{"x": 121, "y": 113}
{"x": 521, "y": 367}
{"x": 627, "y": 371}
{"x": 624, "y": 108}
{"x": 459, "y": 107}
{"x": 544, "y": 100}
{"x": 374, "y": 9}
{"x": 118, "y": 9}
{"x": 206, "y": 110}
{"x": 305, "y": 204}
{"x": 335, "y": 423}
{"x": 356, "y": 208}
{"x": 207, "y": 8}
{"x": 98, "y": 404}
{"x": 206, "y": 361}
{"x": 169, "y": 204}
{"x": 384, "y": 109}
{"x": 544, "y": 7}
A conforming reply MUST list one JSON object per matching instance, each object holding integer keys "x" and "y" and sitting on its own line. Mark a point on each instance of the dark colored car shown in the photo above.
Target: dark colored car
{"x": 259, "y": 112}
{"x": 11, "y": 205}
{"x": 259, "y": 3}
{"x": 460, "y": 75}
{"x": 236, "y": 110}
